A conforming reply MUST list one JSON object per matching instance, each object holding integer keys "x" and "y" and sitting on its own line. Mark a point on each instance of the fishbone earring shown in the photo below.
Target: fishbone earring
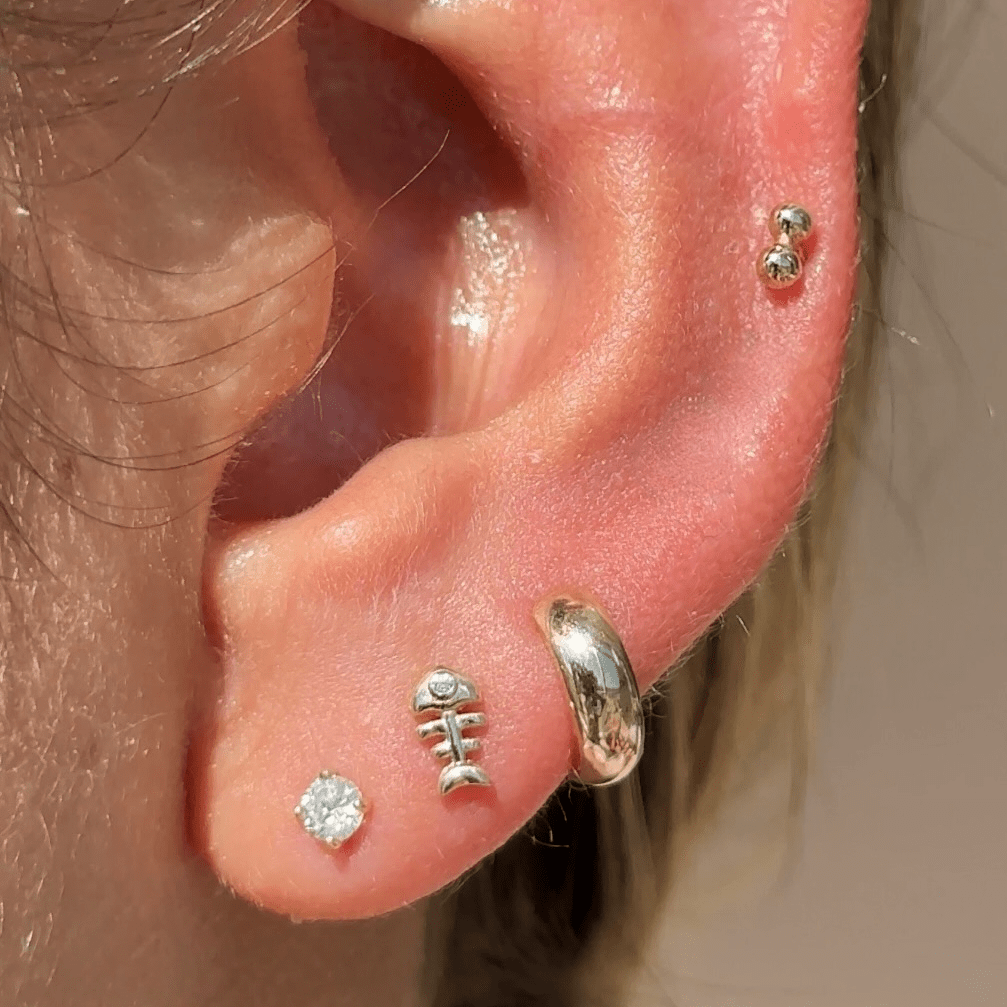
{"x": 444, "y": 692}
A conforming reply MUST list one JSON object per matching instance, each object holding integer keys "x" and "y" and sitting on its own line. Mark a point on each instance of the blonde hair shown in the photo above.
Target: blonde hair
{"x": 562, "y": 914}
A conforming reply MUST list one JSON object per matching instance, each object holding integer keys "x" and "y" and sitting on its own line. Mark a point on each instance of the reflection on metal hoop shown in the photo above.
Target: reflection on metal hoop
{"x": 601, "y": 686}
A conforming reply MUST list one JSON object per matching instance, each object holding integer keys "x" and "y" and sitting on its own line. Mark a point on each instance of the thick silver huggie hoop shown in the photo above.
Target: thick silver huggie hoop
{"x": 782, "y": 263}
{"x": 601, "y": 686}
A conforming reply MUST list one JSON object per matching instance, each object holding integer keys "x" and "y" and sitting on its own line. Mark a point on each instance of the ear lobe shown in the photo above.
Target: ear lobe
{"x": 653, "y": 453}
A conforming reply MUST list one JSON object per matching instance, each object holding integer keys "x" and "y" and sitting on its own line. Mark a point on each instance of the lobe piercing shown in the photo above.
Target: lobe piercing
{"x": 331, "y": 809}
{"x": 781, "y": 264}
{"x": 601, "y": 687}
{"x": 445, "y": 692}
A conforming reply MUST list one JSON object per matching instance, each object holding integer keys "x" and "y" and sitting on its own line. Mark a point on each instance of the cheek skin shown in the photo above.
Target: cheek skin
{"x": 195, "y": 277}
{"x": 195, "y": 281}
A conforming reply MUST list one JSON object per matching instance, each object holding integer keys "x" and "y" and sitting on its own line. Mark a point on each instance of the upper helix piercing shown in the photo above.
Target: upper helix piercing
{"x": 782, "y": 263}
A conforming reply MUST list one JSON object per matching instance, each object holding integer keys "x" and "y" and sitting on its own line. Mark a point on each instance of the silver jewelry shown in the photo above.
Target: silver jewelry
{"x": 331, "y": 809}
{"x": 444, "y": 691}
{"x": 782, "y": 263}
{"x": 601, "y": 687}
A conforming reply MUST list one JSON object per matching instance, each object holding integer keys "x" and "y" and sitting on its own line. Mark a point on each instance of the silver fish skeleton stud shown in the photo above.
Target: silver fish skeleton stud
{"x": 444, "y": 692}
{"x": 782, "y": 263}
{"x": 600, "y": 685}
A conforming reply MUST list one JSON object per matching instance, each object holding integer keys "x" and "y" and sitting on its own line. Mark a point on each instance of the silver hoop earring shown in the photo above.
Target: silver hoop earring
{"x": 781, "y": 264}
{"x": 600, "y": 685}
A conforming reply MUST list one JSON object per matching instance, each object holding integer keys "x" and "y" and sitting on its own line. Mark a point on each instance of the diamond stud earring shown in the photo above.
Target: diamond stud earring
{"x": 331, "y": 809}
{"x": 444, "y": 692}
{"x": 782, "y": 263}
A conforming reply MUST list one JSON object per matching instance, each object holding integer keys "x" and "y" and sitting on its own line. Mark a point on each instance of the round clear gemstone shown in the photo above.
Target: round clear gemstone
{"x": 442, "y": 684}
{"x": 331, "y": 809}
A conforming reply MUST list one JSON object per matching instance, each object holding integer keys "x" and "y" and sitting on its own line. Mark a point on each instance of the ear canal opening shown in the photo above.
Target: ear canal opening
{"x": 426, "y": 331}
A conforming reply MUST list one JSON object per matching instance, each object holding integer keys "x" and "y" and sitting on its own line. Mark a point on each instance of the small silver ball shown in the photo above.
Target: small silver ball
{"x": 791, "y": 221}
{"x": 779, "y": 267}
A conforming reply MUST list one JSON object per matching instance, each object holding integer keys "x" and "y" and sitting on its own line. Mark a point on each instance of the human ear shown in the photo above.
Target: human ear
{"x": 644, "y": 428}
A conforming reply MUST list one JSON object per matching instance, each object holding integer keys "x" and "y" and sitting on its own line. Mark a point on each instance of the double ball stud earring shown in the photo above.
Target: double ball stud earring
{"x": 781, "y": 264}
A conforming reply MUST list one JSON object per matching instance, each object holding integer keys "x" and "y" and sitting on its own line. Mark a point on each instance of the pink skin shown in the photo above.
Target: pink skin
{"x": 654, "y": 452}
{"x": 642, "y": 424}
